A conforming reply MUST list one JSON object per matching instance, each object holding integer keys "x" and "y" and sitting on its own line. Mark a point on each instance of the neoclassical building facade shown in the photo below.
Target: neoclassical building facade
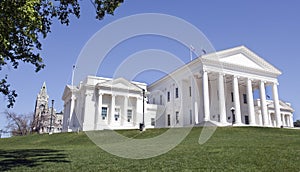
{"x": 229, "y": 87}
{"x": 220, "y": 87}
{"x": 103, "y": 103}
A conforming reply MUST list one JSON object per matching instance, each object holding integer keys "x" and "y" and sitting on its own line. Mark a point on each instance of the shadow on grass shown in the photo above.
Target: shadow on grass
{"x": 30, "y": 158}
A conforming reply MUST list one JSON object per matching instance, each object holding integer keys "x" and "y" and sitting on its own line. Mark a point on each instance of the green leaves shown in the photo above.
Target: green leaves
{"x": 23, "y": 21}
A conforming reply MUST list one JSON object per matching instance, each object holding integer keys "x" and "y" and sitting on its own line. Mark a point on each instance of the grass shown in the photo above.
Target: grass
{"x": 229, "y": 149}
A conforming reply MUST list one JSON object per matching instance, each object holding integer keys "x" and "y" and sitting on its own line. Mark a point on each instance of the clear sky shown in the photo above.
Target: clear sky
{"x": 269, "y": 28}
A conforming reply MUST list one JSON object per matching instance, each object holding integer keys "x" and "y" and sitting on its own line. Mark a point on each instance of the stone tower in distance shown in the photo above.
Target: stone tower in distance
{"x": 41, "y": 110}
{"x": 42, "y": 114}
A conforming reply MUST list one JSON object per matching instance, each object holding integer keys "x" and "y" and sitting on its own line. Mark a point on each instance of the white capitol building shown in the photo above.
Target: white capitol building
{"x": 224, "y": 88}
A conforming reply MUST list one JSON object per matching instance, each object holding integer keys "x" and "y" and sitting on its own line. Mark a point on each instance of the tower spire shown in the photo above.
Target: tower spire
{"x": 43, "y": 90}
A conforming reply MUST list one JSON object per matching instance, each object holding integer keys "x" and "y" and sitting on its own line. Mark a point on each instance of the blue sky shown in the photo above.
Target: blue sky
{"x": 269, "y": 28}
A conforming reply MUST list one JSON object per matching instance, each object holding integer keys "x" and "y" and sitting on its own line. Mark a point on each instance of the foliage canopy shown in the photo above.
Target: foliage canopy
{"x": 24, "y": 22}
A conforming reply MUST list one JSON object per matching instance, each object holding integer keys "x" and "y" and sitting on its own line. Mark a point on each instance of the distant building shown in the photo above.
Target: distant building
{"x": 42, "y": 114}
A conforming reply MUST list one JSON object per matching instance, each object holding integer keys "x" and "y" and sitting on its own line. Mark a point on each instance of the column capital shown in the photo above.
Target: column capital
{"x": 220, "y": 73}
{"x": 236, "y": 76}
{"x": 250, "y": 79}
{"x": 205, "y": 71}
{"x": 73, "y": 97}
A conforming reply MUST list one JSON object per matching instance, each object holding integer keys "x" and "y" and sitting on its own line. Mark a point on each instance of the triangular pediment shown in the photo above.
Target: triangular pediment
{"x": 282, "y": 105}
{"x": 241, "y": 60}
{"x": 68, "y": 90}
{"x": 241, "y": 57}
{"x": 120, "y": 83}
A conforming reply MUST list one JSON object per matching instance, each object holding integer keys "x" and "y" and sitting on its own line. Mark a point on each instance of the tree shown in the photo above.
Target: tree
{"x": 297, "y": 123}
{"x": 23, "y": 22}
{"x": 19, "y": 125}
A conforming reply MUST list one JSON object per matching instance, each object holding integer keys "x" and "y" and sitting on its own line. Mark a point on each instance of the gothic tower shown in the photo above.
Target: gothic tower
{"x": 41, "y": 110}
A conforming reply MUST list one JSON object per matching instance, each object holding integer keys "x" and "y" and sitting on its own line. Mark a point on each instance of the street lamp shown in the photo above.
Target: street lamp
{"x": 51, "y": 117}
{"x": 233, "y": 117}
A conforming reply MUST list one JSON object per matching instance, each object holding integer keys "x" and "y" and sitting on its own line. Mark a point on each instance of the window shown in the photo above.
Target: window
{"x": 245, "y": 98}
{"x": 104, "y": 113}
{"x": 232, "y": 99}
{"x": 129, "y": 115}
{"x": 117, "y": 114}
{"x": 190, "y": 91}
{"x": 160, "y": 99}
{"x": 177, "y": 117}
{"x": 169, "y": 120}
{"x": 191, "y": 116}
{"x": 152, "y": 121}
{"x": 176, "y": 92}
{"x": 153, "y": 101}
{"x": 168, "y": 96}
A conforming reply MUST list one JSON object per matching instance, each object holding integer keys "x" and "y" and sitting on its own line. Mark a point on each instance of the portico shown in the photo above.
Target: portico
{"x": 227, "y": 80}
{"x": 108, "y": 104}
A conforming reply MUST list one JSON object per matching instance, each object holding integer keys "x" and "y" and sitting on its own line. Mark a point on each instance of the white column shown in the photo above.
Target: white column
{"x": 250, "y": 102}
{"x": 270, "y": 119}
{"x": 194, "y": 105}
{"x": 206, "y": 96}
{"x": 287, "y": 120}
{"x": 72, "y": 108}
{"x": 124, "y": 118}
{"x": 98, "y": 111}
{"x": 276, "y": 105}
{"x": 283, "y": 120}
{"x": 222, "y": 106}
{"x": 260, "y": 118}
{"x": 291, "y": 121}
{"x": 112, "y": 110}
{"x": 263, "y": 104}
{"x": 237, "y": 106}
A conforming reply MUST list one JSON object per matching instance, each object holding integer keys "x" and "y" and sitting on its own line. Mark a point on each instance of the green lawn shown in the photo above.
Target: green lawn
{"x": 229, "y": 149}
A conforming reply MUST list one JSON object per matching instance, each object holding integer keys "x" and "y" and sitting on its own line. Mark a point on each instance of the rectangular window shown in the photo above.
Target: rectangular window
{"x": 245, "y": 98}
{"x": 160, "y": 100}
{"x": 168, "y": 96}
{"x": 117, "y": 114}
{"x": 104, "y": 113}
{"x": 177, "y": 117}
{"x": 152, "y": 121}
{"x": 153, "y": 101}
{"x": 176, "y": 92}
{"x": 169, "y": 120}
{"x": 232, "y": 99}
{"x": 129, "y": 115}
{"x": 191, "y": 116}
{"x": 190, "y": 91}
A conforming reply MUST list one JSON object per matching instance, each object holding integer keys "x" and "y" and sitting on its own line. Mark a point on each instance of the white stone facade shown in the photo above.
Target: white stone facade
{"x": 225, "y": 88}
{"x": 103, "y": 103}
{"x": 224, "y": 81}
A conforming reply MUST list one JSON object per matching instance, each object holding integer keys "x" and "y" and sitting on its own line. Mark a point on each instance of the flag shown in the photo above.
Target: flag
{"x": 192, "y": 48}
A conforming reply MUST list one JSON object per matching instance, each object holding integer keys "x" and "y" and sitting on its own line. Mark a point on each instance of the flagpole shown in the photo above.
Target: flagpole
{"x": 73, "y": 69}
{"x": 191, "y": 55}
{"x": 191, "y": 52}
